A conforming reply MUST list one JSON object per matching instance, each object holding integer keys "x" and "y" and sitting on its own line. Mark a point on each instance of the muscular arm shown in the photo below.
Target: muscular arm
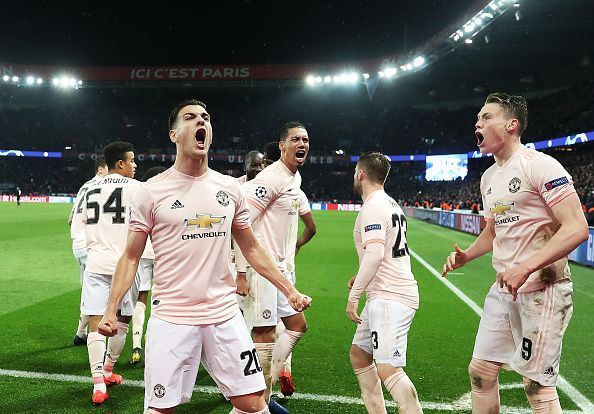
{"x": 261, "y": 262}
{"x": 309, "y": 230}
{"x": 483, "y": 244}
{"x": 573, "y": 231}
{"x": 122, "y": 279}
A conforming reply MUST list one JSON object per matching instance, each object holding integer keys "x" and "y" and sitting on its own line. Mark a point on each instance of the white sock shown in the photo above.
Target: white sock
{"x": 83, "y": 322}
{"x": 96, "y": 350}
{"x": 404, "y": 393}
{"x": 282, "y": 349}
{"x": 115, "y": 344}
{"x": 371, "y": 389}
{"x": 138, "y": 324}
{"x": 264, "y": 351}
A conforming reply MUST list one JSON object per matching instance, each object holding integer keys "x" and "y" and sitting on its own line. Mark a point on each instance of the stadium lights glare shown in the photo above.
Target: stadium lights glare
{"x": 366, "y": 76}
{"x": 418, "y": 61}
{"x": 469, "y": 27}
{"x": 5, "y": 78}
{"x": 409, "y": 66}
{"x": 39, "y": 81}
{"x": 318, "y": 79}
{"x": 390, "y": 72}
{"x": 310, "y": 80}
{"x": 381, "y": 74}
{"x": 30, "y": 80}
{"x": 15, "y": 79}
{"x": 468, "y": 41}
{"x": 327, "y": 79}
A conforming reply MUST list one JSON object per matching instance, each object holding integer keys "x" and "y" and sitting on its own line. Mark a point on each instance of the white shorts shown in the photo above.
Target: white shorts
{"x": 81, "y": 258}
{"x": 95, "y": 293}
{"x": 173, "y": 353}
{"x": 526, "y": 334}
{"x": 383, "y": 331}
{"x": 145, "y": 274}
{"x": 265, "y": 304}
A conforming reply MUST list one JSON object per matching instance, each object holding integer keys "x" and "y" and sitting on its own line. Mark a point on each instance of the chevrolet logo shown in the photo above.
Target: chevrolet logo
{"x": 204, "y": 221}
{"x": 500, "y": 208}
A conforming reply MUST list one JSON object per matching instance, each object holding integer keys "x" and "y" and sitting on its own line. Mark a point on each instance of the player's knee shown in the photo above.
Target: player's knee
{"x": 359, "y": 358}
{"x": 385, "y": 371}
{"x": 264, "y": 333}
{"x": 483, "y": 374}
{"x": 531, "y": 387}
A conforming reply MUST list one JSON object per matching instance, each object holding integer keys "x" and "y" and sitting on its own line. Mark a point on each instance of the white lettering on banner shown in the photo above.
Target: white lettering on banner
{"x": 349, "y": 207}
{"x": 590, "y": 248}
{"x": 314, "y": 159}
{"x": 471, "y": 223}
{"x": 140, "y": 157}
{"x": 572, "y": 140}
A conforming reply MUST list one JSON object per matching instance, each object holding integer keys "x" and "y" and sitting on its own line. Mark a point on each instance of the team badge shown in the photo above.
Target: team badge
{"x": 261, "y": 192}
{"x": 223, "y": 198}
{"x": 266, "y": 314}
{"x": 556, "y": 183}
{"x": 159, "y": 391}
{"x": 514, "y": 185}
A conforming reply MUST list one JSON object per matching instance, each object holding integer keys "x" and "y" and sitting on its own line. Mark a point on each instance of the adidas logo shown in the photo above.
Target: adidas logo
{"x": 177, "y": 204}
{"x": 549, "y": 371}
{"x": 488, "y": 191}
{"x": 397, "y": 354}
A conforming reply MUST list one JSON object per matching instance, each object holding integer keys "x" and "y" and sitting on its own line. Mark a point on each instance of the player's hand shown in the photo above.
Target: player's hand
{"x": 108, "y": 325}
{"x": 299, "y": 301}
{"x": 513, "y": 279}
{"x": 351, "y": 311}
{"x": 351, "y": 282}
{"x": 456, "y": 259}
{"x": 243, "y": 287}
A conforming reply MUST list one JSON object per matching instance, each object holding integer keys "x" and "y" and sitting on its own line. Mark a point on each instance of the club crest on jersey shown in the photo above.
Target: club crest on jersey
{"x": 261, "y": 192}
{"x": 266, "y": 314}
{"x": 557, "y": 182}
{"x": 159, "y": 391}
{"x": 371, "y": 227}
{"x": 204, "y": 221}
{"x": 514, "y": 185}
{"x": 223, "y": 198}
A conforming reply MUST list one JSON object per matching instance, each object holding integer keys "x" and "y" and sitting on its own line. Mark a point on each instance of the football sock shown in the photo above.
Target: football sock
{"x": 238, "y": 411}
{"x": 115, "y": 344}
{"x": 83, "y": 322}
{"x": 484, "y": 381}
{"x": 371, "y": 389}
{"x": 404, "y": 392}
{"x": 543, "y": 400}
{"x": 138, "y": 324}
{"x": 283, "y": 347}
{"x": 96, "y": 350}
{"x": 265, "y": 356}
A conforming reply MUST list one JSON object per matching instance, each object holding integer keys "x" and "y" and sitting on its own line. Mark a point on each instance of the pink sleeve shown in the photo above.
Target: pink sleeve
{"x": 372, "y": 225}
{"x": 303, "y": 204}
{"x": 550, "y": 180}
{"x": 486, "y": 210}
{"x": 141, "y": 211}
{"x": 261, "y": 192}
{"x": 241, "y": 219}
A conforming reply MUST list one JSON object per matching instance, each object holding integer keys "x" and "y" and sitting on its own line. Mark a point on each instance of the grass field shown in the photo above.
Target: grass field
{"x": 39, "y": 297}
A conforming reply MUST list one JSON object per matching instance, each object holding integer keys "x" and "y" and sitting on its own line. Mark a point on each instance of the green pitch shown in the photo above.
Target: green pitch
{"x": 40, "y": 291}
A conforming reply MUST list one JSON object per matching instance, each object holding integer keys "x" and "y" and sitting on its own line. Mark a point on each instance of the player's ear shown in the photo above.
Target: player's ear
{"x": 173, "y": 135}
{"x": 511, "y": 125}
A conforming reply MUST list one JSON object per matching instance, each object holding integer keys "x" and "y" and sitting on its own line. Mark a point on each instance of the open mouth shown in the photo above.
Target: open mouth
{"x": 200, "y": 137}
{"x": 479, "y": 138}
{"x": 300, "y": 155}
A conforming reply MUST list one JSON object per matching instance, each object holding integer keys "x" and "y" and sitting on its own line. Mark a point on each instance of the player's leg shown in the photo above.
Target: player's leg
{"x": 285, "y": 378}
{"x": 170, "y": 376}
{"x": 541, "y": 319}
{"x": 138, "y": 326}
{"x": 361, "y": 356}
{"x": 389, "y": 323}
{"x": 80, "y": 338}
{"x": 93, "y": 301}
{"x": 494, "y": 346}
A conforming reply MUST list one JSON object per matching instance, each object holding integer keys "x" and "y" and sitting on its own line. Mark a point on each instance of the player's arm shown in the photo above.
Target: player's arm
{"x": 71, "y": 213}
{"x": 483, "y": 244}
{"x": 573, "y": 232}
{"x": 243, "y": 288}
{"x": 370, "y": 263}
{"x": 262, "y": 263}
{"x": 123, "y": 278}
{"x": 309, "y": 230}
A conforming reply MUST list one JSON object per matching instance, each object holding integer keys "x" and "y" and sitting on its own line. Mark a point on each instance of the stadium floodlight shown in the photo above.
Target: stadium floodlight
{"x": 409, "y": 66}
{"x": 55, "y": 81}
{"x": 30, "y": 80}
{"x": 352, "y": 77}
{"x": 15, "y": 79}
{"x": 327, "y": 79}
{"x": 318, "y": 79}
{"x": 72, "y": 82}
{"x": 468, "y": 41}
{"x": 487, "y": 15}
{"x": 39, "y": 81}
{"x": 366, "y": 76}
{"x": 79, "y": 83}
{"x": 469, "y": 27}
{"x": 310, "y": 80}
{"x": 418, "y": 61}
{"x": 403, "y": 68}
{"x": 381, "y": 74}
{"x": 5, "y": 78}
{"x": 493, "y": 6}
{"x": 478, "y": 21}
{"x": 390, "y": 72}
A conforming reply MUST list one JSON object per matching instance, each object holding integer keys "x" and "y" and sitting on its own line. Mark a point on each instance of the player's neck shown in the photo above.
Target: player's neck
{"x": 506, "y": 152}
{"x": 191, "y": 167}
{"x": 292, "y": 168}
{"x": 370, "y": 188}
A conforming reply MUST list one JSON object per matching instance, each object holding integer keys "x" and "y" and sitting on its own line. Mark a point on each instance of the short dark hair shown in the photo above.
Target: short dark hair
{"x": 100, "y": 162}
{"x": 116, "y": 151}
{"x": 515, "y": 106}
{"x": 175, "y": 112}
{"x": 376, "y": 165}
{"x": 284, "y": 130}
{"x": 271, "y": 151}
{"x": 151, "y": 172}
{"x": 249, "y": 157}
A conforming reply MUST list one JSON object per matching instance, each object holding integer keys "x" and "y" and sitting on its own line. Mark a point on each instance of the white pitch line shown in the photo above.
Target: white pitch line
{"x": 577, "y": 397}
{"x": 462, "y": 404}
